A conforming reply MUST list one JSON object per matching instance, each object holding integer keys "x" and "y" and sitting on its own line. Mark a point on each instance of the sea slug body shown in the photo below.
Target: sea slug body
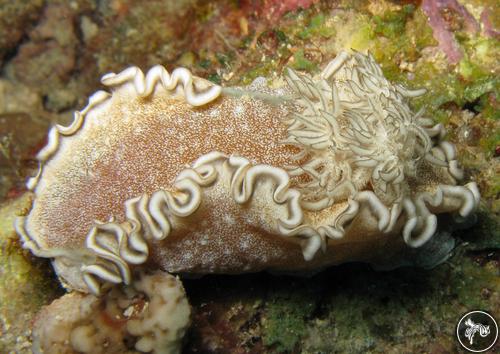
{"x": 171, "y": 172}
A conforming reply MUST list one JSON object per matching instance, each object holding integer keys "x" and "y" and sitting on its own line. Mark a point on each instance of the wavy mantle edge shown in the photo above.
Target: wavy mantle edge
{"x": 195, "y": 90}
{"x": 118, "y": 246}
{"x": 130, "y": 248}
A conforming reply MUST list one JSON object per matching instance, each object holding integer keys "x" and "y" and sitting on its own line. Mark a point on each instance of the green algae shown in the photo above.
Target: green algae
{"x": 215, "y": 78}
{"x": 393, "y": 23}
{"x": 488, "y": 106}
{"x": 300, "y": 62}
{"x": 317, "y": 27}
{"x": 286, "y": 315}
{"x": 26, "y": 284}
{"x": 468, "y": 282}
{"x": 489, "y": 142}
{"x": 262, "y": 69}
{"x": 376, "y": 312}
{"x": 485, "y": 235}
{"x": 361, "y": 38}
{"x": 481, "y": 86}
{"x": 397, "y": 38}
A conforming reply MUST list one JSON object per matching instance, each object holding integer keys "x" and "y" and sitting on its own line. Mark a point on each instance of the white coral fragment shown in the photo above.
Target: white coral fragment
{"x": 151, "y": 316}
{"x": 161, "y": 324}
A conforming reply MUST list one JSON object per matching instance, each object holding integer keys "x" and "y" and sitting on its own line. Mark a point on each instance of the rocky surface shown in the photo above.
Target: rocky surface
{"x": 26, "y": 284}
{"x": 52, "y": 54}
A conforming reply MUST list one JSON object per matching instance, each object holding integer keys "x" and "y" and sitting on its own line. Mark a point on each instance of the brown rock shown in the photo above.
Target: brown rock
{"x": 16, "y": 18}
{"x": 48, "y": 58}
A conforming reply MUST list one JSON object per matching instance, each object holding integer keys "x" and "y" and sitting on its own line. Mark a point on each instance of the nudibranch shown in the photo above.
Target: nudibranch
{"x": 169, "y": 171}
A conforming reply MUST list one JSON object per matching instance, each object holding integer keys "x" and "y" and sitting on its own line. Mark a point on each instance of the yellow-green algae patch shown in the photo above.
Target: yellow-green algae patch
{"x": 285, "y": 322}
{"x": 408, "y": 303}
{"x": 401, "y": 40}
{"x": 25, "y": 284}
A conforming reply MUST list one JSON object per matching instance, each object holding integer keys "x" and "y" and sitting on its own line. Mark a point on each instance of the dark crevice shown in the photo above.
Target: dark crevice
{"x": 10, "y": 53}
{"x": 472, "y": 106}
